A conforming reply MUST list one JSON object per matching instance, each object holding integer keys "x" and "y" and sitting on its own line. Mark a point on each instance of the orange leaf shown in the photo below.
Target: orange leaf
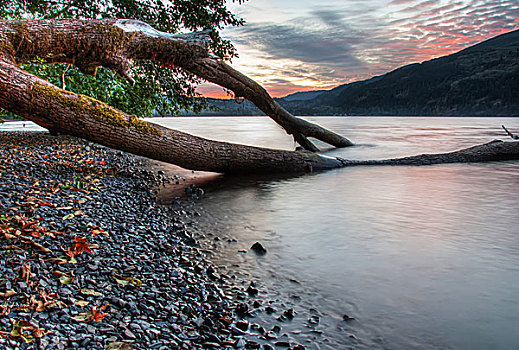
{"x": 80, "y": 245}
{"x": 97, "y": 314}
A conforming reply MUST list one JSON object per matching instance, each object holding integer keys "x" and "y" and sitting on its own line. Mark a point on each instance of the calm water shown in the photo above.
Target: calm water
{"x": 421, "y": 257}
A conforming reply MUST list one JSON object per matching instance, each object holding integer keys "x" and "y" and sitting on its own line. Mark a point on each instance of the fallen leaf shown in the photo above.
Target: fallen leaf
{"x": 66, "y": 279}
{"x": 119, "y": 345}
{"x": 67, "y": 217}
{"x": 95, "y": 315}
{"x": 45, "y": 203}
{"x": 99, "y": 232}
{"x": 122, "y": 281}
{"x": 13, "y": 247}
{"x": 7, "y": 293}
{"x": 59, "y": 261}
{"x": 127, "y": 280}
{"x": 27, "y": 331}
{"x": 83, "y": 317}
{"x": 25, "y": 271}
{"x": 80, "y": 245}
{"x": 38, "y": 246}
{"x": 91, "y": 292}
{"x": 64, "y": 208}
{"x": 81, "y": 303}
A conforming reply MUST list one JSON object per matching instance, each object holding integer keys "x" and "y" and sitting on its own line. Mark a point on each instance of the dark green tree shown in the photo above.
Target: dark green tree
{"x": 156, "y": 88}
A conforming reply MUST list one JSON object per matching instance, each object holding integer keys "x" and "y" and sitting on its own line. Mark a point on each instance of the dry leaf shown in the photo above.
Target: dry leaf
{"x": 66, "y": 279}
{"x": 91, "y": 292}
{"x": 7, "y": 293}
{"x": 37, "y": 246}
{"x": 25, "y": 271}
{"x": 67, "y": 217}
{"x": 127, "y": 280}
{"x": 81, "y": 303}
{"x": 119, "y": 345}
{"x": 99, "y": 232}
{"x": 95, "y": 315}
{"x": 80, "y": 245}
{"x": 22, "y": 329}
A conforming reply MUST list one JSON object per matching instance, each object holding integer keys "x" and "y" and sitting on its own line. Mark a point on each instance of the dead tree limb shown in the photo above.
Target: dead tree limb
{"x": 489, "y": 152}
{"x": 113, "y": 44}
{"x": 78, "y": 115}
{"x": 515, "y": 137}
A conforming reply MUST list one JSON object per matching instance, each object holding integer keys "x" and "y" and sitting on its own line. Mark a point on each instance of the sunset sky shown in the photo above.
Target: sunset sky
{"x": 301, "y": 45}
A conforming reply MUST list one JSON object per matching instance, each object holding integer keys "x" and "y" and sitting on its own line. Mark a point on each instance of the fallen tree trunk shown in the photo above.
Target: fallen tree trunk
{"x": 493, "y": 151}
{"x": 112, "y": 44}
{"x": 78, "y": 115}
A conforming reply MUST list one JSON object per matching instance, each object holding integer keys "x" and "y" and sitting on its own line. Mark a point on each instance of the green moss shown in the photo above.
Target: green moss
{"x": 82, "y": 104}
{"x": 113, "y": 38}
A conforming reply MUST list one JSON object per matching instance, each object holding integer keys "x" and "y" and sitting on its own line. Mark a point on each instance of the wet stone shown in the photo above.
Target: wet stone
{"x": 258, "y": 248}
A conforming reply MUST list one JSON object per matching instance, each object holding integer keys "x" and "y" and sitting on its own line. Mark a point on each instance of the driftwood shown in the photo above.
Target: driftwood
{"x": 113, "y": 44}
{"x": 515, "y": 137}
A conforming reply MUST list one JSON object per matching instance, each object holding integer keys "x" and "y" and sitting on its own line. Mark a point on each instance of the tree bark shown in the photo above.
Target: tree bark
{"x": 69, "y": 113}
{"x": 112, "y": 44}
{"x": 496, "y": 150}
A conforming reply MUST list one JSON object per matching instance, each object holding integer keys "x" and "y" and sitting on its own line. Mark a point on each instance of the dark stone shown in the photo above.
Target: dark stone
{"x": 242, "y": 309}
{"x": 289, "y": 313}
{"x": 252, "y": 291}
{"x": 270, "y": 310}
{"x": 258, "y": 248}
{"x": 283, "y": 344}
{"x": 243, "y": 325}
{"x": 347, "y": 318}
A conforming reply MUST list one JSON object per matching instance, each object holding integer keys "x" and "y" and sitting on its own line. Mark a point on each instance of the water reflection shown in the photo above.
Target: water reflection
{"x": 422, "y": 257}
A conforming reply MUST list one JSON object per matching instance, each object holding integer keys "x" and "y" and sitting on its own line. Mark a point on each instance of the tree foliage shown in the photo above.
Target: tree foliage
{"x": 156, "y": 88}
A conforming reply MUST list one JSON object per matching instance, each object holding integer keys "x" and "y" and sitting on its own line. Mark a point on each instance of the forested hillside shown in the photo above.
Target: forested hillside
{"x": 480, "y": 80}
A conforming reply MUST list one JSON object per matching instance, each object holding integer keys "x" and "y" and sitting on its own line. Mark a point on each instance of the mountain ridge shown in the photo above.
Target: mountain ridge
{"x": 480, "y": 80}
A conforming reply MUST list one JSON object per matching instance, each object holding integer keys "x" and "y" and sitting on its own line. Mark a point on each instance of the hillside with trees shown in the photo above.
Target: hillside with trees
{"x": 480, "y": 80}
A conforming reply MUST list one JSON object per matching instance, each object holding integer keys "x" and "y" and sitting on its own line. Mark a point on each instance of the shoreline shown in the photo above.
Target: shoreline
{"x": 90, "y": 259}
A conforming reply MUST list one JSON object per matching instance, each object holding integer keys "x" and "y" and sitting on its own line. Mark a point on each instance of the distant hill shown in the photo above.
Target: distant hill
{"x": 480, "y": 80}
{"x": 233, "y": 107}
{"x": 303, "y": 96}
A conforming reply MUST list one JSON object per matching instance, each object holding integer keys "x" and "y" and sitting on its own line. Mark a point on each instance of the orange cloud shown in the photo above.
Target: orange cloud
{"x": 333, "y": 46}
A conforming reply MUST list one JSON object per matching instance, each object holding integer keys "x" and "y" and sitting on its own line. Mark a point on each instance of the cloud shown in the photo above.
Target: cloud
{"x": 400, "y": 2}
{"x": 310, "y": 41}
{"x": 312, "y": 46}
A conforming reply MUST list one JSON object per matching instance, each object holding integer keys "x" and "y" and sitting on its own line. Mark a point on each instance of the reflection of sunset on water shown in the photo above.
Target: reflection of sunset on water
{"x": 416, "y": 254}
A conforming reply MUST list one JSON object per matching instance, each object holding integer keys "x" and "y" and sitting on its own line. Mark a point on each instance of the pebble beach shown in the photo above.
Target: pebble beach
{"x": 89, "y": 260}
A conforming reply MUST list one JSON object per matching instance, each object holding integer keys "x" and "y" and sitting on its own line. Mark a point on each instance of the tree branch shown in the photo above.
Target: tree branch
{"x": 113, "y": 43}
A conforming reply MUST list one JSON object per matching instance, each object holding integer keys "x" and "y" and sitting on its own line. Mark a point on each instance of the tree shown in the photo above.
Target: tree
{"x": 156, "y": 88}
{"x": 112, "y": 44}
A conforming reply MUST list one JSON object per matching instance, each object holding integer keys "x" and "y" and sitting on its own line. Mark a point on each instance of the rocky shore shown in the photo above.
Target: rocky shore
{"x": 88, "y": 260}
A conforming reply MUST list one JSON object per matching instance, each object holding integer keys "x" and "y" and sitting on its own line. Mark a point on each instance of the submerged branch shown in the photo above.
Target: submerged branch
{"x": 515, "y": 137}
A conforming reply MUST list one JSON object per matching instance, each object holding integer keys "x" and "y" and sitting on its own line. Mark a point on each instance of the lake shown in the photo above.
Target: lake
{"x": 422, "y": 257}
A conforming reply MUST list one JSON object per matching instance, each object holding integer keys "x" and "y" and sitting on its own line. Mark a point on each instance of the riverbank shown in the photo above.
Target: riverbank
{"x": 89, "y": 260}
